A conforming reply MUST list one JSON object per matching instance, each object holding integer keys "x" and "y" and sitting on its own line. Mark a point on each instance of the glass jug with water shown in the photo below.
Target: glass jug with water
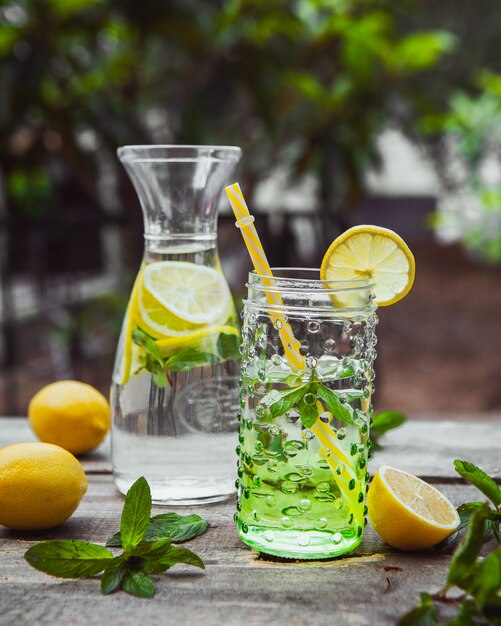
{"x": 174, "y": 394}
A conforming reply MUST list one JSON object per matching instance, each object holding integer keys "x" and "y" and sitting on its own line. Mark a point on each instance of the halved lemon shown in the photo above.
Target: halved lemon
{"x": 191, "y": 292}
{"x": 372, "y": 252}
{"x": 407, "y": 512}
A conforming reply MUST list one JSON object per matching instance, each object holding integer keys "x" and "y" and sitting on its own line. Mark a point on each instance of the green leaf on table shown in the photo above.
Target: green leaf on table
{"x": 468, "y": 550}
{"x": 68, "y": 558}
{"x": 480, "y": 479}
{"x": 135, "y": 514}
{"x": 485, "y": 580}
{"x": 423, "y": 614}
{"x": 341, "y": 411}
{"x": 177, "y": 528}
{"x": 150, "y": 550}
{"x": 171, "y": 556}
{"x": 465, "y": 512}
{"x": 113, "y": 575}
{"x": 307, "y": 412}
{"x": 228, "y": 346}
{"x": 137, "y": 583}
{"x": 279, "y": 402}
{"x": 190, "y": 358}
{"x": 385, "y": 421}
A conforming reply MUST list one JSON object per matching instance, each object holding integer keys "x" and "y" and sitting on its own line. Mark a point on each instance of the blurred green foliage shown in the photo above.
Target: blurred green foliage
{"x": 305, "y": 83}
{"x": 302, "y": 83}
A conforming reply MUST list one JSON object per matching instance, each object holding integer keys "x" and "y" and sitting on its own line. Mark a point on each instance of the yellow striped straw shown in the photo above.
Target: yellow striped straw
{"x": 337, "y": 457}
{"x": 245, "y": 222}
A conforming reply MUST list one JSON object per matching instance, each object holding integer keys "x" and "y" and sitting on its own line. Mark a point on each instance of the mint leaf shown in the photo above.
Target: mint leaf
{"x": 172, "y": 555}
{"x": 485, "y": 580}
{"x": 190, "y": 358}
{"x": 228, "y": 346}
{"x": 148, "y": 344}
{"x": 153, "y": 550}
{"x": 465, "y": 616}
{"x": 138, "y": 584}
{"x": 180, "y": 528}
{"x": 424, "y": 614}
{"x": 68, "y": 558}
{"x": 113, "y": 575}
{"x": 480, "y": 479}
{"x": 279, "y": 402}
{"x": 157, "y": 372}
{"x": 177, "y": 528}
{"x": 153, "y": 360}
{"x": 468, "y": 550}
{"x": 308, "y": 413}
{"x": 135, "y": 514}
{"x": 341, "y": 411}
{"x": 385, "y": 421}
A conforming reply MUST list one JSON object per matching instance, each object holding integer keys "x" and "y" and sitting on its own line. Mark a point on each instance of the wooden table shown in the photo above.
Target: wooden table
{"x": 373, "y": 585}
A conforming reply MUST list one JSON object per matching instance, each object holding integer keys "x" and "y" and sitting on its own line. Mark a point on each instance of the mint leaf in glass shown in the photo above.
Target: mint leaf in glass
{"x": 68, "y": 558}
{"x": 279, "y": 402}
{"x": 190, "y": 358}
{"x": 341, "y": 411}
{"x": 135, "y": 514}
{"x": 228, "y": 346}
{"x": 480, "y": 479}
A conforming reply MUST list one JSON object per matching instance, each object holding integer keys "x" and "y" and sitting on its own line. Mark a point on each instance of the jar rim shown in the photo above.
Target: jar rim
{"x": 151, "y": 153}
{"x": 292, "y": 283}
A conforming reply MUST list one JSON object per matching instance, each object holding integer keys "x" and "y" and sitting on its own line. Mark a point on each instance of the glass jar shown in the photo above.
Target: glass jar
{"x": 304, "y": 430}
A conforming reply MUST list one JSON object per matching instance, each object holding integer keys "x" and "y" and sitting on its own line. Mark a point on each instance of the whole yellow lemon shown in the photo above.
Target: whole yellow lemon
{"x": 41, "y": 485}
{"x": 70, "y": 414}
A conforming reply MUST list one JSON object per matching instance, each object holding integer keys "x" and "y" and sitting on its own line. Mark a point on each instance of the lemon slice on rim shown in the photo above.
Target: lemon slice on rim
{"x": 407, "y": 512}
{"x": 372, "y": 252}
{"x": 178, "y": 298}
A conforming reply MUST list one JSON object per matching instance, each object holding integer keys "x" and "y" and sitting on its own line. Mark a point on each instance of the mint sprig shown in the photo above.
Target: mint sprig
{"x": 183, "y": 360}
{"x": 479, "y": 579}
{"x": 279, "y": 402}
{"x": 141, "y": 558}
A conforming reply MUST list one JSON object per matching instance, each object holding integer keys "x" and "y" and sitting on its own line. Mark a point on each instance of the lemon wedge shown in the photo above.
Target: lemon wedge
{"x": 372, "y": 252}
{"x": 407, "y": 512}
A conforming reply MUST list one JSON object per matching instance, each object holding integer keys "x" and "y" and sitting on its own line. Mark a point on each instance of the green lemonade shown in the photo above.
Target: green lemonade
{"x": 302, "y": 489}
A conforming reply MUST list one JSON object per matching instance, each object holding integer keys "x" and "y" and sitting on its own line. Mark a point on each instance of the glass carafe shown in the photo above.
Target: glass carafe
{"x": 174, "y": 395}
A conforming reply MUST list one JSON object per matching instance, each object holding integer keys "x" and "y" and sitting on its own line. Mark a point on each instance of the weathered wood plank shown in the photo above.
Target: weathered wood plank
{"x": 425, "y": 447}
{"x": 372, "y": 586}
{"x": 428, "y": 448}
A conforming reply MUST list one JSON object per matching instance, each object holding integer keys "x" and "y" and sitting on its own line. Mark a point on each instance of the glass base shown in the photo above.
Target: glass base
{"x": 293, "y": 544}
{"x": 180, "y": 492}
